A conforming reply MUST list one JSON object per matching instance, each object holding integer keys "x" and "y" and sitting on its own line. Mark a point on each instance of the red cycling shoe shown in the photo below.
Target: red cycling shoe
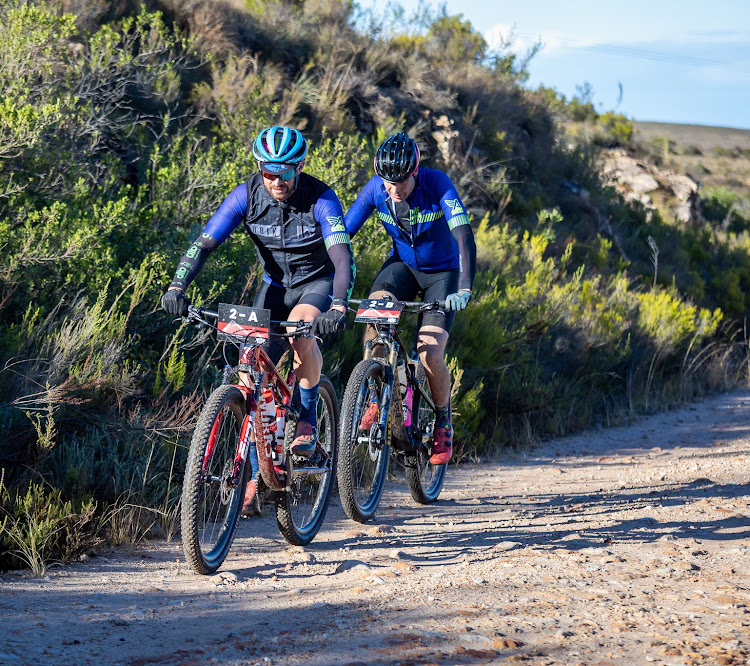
{"x": 442, "y": 449}
{"x": 306, "y": 437}
{"x": 248, "y": 503}
{"x": 369, "y": 417}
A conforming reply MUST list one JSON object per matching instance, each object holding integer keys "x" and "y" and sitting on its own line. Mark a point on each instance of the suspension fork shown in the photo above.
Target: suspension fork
{"x": 209, "y": 454}
{"x": 386, "y": 400}
{"x": 394, "y": 383}
{"x": 245, "y": 442}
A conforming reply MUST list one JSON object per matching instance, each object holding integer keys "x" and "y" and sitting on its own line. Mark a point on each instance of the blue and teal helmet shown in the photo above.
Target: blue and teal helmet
{"x": 280, "y": 146}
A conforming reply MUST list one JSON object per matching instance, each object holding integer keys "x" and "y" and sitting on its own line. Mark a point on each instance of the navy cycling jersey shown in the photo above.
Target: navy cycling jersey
{"x": 437, "y": 220}
{"x": 299, "y": 240}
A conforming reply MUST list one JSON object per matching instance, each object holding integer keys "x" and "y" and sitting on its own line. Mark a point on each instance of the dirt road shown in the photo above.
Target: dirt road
{"x": 621, "y": 546}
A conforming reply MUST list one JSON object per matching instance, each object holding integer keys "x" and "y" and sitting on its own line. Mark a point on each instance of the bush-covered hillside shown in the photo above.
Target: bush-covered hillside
{"x": 123, "y": 125}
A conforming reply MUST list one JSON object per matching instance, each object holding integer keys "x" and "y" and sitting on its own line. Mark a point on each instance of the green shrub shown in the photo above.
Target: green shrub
{"x": 717, "y": 204}
{"x": 723, "y": 206}
{"x": 617, "y": 127}
{"x": 38, "y": 527}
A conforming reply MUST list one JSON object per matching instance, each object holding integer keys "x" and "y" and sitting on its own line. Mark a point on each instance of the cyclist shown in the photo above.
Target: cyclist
{"x": 296, "y": 223}
{"x": 433, "y": 253}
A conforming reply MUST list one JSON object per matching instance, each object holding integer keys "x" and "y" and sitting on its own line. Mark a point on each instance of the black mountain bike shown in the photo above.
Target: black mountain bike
{"x": 243, "y": 436}
{"x": 387, "y": 412}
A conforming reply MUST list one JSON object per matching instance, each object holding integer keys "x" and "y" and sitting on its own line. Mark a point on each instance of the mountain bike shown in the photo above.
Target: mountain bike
{"x": 387, "y": 413}
{"x": 243, "y": 436}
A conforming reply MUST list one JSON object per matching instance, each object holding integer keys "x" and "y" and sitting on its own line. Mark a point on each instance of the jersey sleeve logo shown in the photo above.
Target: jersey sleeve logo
{"x": 455, "y": 206}
{"x": 336, "y": 222}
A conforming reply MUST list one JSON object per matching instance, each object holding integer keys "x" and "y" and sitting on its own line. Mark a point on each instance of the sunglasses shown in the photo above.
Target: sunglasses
{"x": 285, "y": 175}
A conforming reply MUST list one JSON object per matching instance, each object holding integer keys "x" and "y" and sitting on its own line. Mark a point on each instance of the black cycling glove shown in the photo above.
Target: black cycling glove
{"x": 175, "y": 302}
{"x": 328, "y": 322}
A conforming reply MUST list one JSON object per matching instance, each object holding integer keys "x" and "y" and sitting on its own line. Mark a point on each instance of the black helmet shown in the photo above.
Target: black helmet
{"x": 397, "y": 158}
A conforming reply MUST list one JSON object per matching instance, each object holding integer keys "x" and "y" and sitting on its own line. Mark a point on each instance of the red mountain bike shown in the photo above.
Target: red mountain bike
{"x": 243, "y": 435}
{"x": 387, "y": 412}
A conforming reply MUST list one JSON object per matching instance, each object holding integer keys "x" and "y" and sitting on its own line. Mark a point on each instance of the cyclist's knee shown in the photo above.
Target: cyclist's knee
{"x": 303, "y": 311}
{"x": 382, "y": 293}
{"x": 306, "y": 349}
{"x": 432, "y": 342}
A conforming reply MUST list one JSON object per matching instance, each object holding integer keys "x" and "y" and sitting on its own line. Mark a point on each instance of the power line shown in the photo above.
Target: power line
{"x": 673, "y": 59}
{"x": 656, "y": 56}
{"x": 646, "y": 54}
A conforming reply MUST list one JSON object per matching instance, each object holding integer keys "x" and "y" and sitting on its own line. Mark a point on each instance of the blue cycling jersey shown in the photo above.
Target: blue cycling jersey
{"x": 435, "y": 210}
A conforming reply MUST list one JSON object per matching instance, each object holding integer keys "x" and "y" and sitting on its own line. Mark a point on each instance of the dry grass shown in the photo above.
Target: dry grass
{"x": 713, "y": 156}
{"x": 703, "y": 137}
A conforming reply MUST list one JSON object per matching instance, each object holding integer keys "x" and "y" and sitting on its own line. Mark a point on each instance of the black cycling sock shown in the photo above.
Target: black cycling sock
{"x": 442, "y": 416}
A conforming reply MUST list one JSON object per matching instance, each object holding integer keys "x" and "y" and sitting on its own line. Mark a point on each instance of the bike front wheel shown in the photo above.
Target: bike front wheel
{"x": 424, "y": 479}
{"x": 302, "y": 507}
{"x": 363, "y": 448}
{"x": 214, "y": 483}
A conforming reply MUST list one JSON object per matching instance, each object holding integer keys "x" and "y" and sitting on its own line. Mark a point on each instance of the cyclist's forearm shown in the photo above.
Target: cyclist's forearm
{"x": 467, "y": 249}
{"x": 343, "y": 263}
{"x": 359, "y": 212}
{"x": 192, "y": 261}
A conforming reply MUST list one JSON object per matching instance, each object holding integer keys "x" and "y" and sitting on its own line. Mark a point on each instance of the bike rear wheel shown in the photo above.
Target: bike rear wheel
{"x": 302, "y": 507}
{"x": 363, "y": 449}
{"x": 213, "y": 487}
{"x": 424, "y": 479}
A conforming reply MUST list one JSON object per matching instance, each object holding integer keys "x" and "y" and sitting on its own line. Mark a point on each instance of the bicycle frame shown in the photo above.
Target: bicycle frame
{"x": 254, "y": 438}
{"x": 387, "y": 335}
{"x": 264, "y": 374}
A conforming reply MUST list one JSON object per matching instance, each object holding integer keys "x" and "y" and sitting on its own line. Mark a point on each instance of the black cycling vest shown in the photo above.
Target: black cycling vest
{"x": 289, "y": 239}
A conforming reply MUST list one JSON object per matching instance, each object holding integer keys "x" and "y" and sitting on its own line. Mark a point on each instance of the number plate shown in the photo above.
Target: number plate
{"x": 378, "y": 311}
{"x": 240, "y": 322}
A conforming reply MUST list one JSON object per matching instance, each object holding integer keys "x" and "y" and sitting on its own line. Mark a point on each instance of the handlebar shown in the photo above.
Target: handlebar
{"x": 196, "y": 314}
{"x": 414, "y": 306}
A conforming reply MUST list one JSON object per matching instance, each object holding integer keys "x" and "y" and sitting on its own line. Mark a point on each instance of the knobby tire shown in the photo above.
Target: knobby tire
{"x": 363, "y": 462}
{"x": 211, "y": 504}
{"x": 302, "y": 507}
{"x": 424, "y": 479}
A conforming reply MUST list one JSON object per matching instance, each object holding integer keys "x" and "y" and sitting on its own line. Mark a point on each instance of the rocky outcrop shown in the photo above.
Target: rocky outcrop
{"x": 447, "y": 138}
{"x": 639, "y": 180}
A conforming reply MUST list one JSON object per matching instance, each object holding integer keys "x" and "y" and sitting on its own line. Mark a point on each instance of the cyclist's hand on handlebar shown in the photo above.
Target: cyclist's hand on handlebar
{"x": 459, "y": 300}
{"x": 175, "y": 302}
{"x": 329, "y": 322}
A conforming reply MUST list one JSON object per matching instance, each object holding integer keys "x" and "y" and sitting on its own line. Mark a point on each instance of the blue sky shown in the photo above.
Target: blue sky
{"x": 680, "y": 61}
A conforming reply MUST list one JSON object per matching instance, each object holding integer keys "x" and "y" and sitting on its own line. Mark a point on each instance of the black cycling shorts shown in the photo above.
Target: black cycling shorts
{"x": 280, "y": 301}
{"x": 406, "y": 283}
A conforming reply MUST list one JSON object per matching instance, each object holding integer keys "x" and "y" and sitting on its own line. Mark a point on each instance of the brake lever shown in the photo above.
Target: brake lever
{"x": 195, "y": 318}
{"x": 432, "y": 305}
{"x": 311, "y": 336}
